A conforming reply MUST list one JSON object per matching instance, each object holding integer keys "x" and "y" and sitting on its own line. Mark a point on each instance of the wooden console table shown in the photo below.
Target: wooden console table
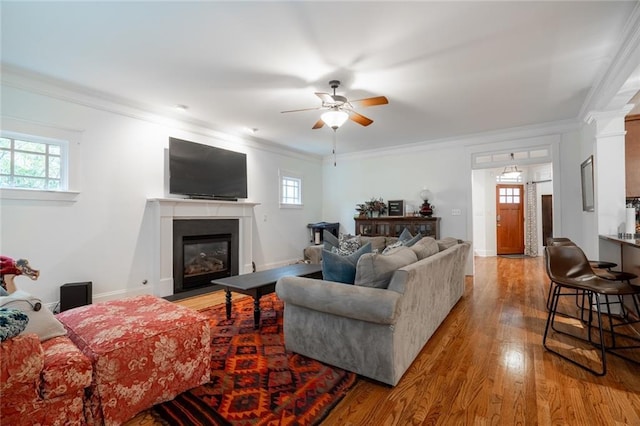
{"x": 392, "y": 226}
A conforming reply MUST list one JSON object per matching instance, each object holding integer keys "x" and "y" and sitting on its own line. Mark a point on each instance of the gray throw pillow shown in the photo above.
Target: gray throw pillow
{"x": 405, "y": 235}
{"x": 376, "y": 270}
{"x": 426, "y": 247}
{"x": 341, "y": 269}
{"x": 329, "y": 240}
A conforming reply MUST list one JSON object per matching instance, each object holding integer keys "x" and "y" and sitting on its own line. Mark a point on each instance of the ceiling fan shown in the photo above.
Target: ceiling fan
{"x": 339, "y": 108}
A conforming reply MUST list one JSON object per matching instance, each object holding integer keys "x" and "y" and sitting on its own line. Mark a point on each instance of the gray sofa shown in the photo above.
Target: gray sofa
{"x": 375, "y": 332}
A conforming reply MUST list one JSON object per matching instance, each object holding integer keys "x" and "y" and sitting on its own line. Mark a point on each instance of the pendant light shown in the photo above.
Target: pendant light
{"x": 511, "y": 172}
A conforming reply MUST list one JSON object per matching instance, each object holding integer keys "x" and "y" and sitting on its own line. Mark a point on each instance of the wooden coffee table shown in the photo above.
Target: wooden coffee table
{"x": 260, "y": 283}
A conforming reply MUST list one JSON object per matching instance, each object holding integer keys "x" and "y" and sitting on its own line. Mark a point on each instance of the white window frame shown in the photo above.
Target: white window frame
{"x": 64, "y": 158}
{"x": 69, "y": 140}
{"x": 284, "y": 178}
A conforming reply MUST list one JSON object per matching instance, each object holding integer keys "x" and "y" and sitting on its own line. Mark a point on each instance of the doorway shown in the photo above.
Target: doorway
{"x": 547, "y": 217}
{"x": 509, "y": 219}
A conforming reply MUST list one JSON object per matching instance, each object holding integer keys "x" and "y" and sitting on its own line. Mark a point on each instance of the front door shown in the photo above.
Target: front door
{"x": 510, "y": 219}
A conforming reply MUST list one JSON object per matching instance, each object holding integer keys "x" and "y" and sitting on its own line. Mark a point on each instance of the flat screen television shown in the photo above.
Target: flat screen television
{"x": 203, "y": 171}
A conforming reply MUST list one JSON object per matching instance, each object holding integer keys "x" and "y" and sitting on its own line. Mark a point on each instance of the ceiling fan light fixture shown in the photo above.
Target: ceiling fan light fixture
{"x": 334, "y": 118}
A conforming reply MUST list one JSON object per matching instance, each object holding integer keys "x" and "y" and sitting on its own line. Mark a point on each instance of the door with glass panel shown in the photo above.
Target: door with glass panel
{"x": 510, "y": 219}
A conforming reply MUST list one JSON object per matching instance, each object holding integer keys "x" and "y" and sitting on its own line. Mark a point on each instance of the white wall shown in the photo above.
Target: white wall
{"x": 105, "y": 235}
{"x": 445, "y": 169}
{"x": 484, "y": 212}
{"x": 400, "y": 175}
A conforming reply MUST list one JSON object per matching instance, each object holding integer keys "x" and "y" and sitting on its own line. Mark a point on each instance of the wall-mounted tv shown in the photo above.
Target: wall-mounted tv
{"x": 203, "y": 171}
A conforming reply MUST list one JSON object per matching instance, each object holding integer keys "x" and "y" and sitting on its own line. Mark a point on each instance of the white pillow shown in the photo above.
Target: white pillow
{"x": 41, "y": 322}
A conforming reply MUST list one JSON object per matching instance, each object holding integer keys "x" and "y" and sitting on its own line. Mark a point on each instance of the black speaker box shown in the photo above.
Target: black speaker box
{"x": 73, "y": 295}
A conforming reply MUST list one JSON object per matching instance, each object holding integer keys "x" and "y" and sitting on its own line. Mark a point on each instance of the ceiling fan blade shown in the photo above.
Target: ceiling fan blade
{"x": 303, "y": 109}
{"x": 318, "y": 124}
{"x": 367, "y": 102}
{"x": 325, "y": 98}
{"x": 359, "y": 118}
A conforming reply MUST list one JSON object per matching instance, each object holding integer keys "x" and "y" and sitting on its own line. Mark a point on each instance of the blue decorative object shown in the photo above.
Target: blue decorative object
{"x": 341, "y": 269}
{"x": 407, "y": 239}
{"x": 12, "y": 323}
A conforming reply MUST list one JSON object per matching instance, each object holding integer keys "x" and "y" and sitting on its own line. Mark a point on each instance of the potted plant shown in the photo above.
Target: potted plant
{"x": 362, "y": 210}
{"x": 376, "y": 207}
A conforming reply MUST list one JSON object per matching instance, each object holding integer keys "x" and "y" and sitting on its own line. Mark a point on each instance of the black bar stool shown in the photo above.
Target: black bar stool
{"x": 601, "y": 268}
{"x": 569, "y": 269}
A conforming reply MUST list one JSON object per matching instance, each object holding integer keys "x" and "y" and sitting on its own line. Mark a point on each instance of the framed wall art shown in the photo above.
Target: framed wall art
{"x": 586, "y": 176}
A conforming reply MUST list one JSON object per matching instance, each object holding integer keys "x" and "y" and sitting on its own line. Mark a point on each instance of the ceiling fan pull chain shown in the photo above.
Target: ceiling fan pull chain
{"x": 334, "y": 147}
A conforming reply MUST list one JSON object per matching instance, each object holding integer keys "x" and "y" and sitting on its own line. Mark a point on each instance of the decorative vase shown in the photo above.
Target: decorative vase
{"x": 426, "y": 210}
{"x": 375, "y": 214}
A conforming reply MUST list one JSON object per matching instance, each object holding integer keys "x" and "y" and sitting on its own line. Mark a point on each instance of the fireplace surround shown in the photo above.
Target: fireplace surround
{"x": 164, "y": 211}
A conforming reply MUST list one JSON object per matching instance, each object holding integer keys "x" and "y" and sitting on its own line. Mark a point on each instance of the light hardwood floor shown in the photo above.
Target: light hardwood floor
{"x": 486, "y": 365}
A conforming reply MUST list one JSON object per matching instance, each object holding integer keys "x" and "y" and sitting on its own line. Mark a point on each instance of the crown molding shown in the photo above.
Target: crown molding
{"x": 22, "y": 79}
{"x": 510, "y": 135}
{"x": 621, "y": 80}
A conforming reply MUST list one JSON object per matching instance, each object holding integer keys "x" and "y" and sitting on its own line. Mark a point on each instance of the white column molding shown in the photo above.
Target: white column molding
{"x": 609, "y": 168}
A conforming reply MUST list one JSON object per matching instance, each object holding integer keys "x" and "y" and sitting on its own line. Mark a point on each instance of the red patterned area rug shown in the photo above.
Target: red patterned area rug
{"x": 254, "y": 381}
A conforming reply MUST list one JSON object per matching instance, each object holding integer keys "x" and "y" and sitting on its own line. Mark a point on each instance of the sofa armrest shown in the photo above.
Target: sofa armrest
{"x": 21, "y": 364}
{"x": 313, "y": 254}
{"x": 362, "y": 303}
{"x": 66, "y": 369}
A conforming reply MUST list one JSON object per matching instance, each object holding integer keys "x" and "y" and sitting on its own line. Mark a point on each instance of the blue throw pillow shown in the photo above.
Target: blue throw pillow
{"x": 341, "y": 269}
{"x": 407, "y": 239}
{"x": 12, "y": 323}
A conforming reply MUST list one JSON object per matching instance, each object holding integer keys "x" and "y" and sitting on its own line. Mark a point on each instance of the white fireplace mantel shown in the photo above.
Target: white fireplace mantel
{"x": 165, "y": 210}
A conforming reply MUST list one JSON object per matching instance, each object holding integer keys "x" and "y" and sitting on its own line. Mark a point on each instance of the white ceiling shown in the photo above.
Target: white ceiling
{"x": 448, "y": 68}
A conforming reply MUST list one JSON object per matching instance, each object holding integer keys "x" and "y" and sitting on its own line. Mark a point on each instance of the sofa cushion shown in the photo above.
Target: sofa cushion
{"x": 447, "y": 242}
{"x": 426, "y": 247}
{"x": 41, "y": 322}
{"x": 342, "y": 269}
{"x": 12, "y": 323}
{"x": 377, "y": 243}
{"x": 376, "y": 270}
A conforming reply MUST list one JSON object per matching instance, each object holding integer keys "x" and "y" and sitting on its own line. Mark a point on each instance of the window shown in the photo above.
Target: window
{"x": 290, "y": 189}
{"x": 32, "y": 162}
{"x": 509, "y": 195}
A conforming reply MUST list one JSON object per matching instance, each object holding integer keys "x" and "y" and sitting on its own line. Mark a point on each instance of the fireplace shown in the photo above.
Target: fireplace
{"x": 203, "y": 250}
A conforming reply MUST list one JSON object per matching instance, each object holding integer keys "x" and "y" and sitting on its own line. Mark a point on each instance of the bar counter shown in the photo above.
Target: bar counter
{"x": 623, "y": 251}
